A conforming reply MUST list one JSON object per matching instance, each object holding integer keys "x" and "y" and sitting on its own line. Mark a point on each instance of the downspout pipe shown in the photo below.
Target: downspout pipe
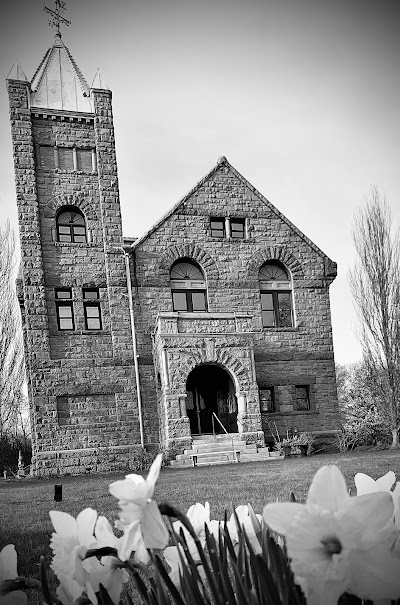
{"x": 134, "y": 346}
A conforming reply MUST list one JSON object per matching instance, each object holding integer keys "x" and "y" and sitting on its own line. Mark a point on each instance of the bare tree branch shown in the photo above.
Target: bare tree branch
{"x": 375, "y": 283}
{"x": 12, "y": 372}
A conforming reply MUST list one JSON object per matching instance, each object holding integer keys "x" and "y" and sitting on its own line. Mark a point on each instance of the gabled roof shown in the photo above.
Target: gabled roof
{"x": 222, "y": 161}
{"x": 58, "y": 82}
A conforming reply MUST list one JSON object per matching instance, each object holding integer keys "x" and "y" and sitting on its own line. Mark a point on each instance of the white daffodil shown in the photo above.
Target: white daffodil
{"x": 339, "y": 543}
{"x": 366, "y": 485}
{"x": 104, "y": 571}
{"x": 199, "y": 517}
{"x": 70, "y": 542}
{"x": 8, "y": 571}
{"x": 140, "y": 518}
{"x": 173, "y": 558}
{"x": 243, "y": 515}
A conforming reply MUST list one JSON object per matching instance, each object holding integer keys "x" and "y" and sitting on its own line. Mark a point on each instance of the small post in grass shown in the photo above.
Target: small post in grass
{"x": 57, "y": 492}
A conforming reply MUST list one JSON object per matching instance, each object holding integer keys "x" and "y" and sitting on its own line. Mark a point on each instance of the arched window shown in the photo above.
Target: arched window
{"x": 276, "y": 295}
{"x": 71, "y": 225}
{"x": 188, "y": 286}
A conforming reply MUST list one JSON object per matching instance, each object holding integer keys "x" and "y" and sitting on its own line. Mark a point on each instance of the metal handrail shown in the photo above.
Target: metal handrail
{"x": 220, "y": 423}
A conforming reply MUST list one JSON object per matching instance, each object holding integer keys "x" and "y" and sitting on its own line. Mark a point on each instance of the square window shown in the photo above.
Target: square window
{"x": 276, "y": 309}
{"x": 65, "y": 158}
{"x": 64, "y": 293}
{"x": 237, "y": 228}
{"x": 198, "y": 301}
{"x": 84, "y": 160}
{"x": 65, "y": 316}
{"x": 93, "y": 322}
{"x": 91, "y": 294}
{"x": 302, "y": 398}
{"x": 267, "y": 399}
{"x": 267, "y": 303}
{"x": 179, "y": 301}
{"x": 47, "y": 157}
{"x": 268, "y": 319}
{"x": 65, "y": 312}
{"x": 64, "y": 229}
{"x": 217, "y": 227}
{"x": 79, "y": 230}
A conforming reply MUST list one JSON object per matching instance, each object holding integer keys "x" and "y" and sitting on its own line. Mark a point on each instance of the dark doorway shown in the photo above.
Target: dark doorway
{"x": 211, "y": 390}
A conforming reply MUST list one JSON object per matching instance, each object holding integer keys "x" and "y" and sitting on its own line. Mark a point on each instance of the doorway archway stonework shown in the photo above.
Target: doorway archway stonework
{"x": 178, "y": 355}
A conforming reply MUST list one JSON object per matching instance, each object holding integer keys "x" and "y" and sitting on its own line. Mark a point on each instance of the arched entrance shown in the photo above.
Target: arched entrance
{"x": 210, "y": 389}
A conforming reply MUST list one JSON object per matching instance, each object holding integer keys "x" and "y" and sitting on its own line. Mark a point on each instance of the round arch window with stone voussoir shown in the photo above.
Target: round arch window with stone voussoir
{"x": 276, "y": 295}
{"x": 71, "y": 225}
{"x": 188, "y": 287}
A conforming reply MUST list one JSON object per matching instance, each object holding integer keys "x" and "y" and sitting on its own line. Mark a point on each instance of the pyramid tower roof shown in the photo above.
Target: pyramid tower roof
{"x": 58, "y": 82}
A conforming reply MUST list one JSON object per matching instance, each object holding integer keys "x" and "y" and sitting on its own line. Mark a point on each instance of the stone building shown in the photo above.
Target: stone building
{"x": 216, "y": 319}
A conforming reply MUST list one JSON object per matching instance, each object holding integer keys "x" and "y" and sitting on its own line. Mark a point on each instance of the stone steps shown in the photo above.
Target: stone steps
{"x": 220, "y": 449}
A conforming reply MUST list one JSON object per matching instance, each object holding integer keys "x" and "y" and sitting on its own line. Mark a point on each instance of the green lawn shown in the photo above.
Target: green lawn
{"x": 25, "y": 504}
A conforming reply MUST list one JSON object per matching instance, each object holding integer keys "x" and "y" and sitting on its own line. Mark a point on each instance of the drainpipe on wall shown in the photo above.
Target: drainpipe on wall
{"x": 135, "y": 355}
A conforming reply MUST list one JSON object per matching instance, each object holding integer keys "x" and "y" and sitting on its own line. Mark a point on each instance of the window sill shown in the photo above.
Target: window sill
{"x": 83, "y": 332}
{"x": 273, "y": 329}
{"x": 75, "y": 244}
{"x": 61, "y": 171}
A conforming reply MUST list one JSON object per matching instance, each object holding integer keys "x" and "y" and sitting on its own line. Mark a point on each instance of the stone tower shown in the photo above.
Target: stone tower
{"x": 77, "y": 326}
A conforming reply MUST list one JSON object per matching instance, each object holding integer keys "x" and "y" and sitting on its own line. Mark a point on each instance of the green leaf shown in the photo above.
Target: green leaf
{"x": 170, "y": 585}
{"x": 105, "y": 597}
{"x": 45, "y": 583}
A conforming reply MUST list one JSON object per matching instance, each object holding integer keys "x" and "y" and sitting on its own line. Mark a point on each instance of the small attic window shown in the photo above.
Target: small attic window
{"x": 237, "y": 228}
{"x": 228, "y": 227}
{"x": 217, "y": 227}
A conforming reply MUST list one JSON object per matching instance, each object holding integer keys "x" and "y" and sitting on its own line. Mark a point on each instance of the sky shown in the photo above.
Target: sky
{"x": 301, "y": 96}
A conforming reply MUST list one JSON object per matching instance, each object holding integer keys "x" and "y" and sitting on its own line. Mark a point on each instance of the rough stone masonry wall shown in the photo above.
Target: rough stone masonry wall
{"x": 283, "y": 357}
{"x": 82, "y": 389}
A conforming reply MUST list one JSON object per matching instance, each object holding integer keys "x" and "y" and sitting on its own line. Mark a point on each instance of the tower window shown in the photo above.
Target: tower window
{"x": 65, "y": 158}
{"x": 47, "y": 156}
{"x": 188, "y": 287}
{"x": 276, "y": 296}
{"x": 71, "y": 226}
{"x": 91, "y": 305}
{"x": 64, "y": 309}
{"x": 84, "y": 160}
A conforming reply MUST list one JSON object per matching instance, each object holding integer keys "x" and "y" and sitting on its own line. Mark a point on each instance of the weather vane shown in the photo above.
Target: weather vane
{"x": 56, "y": 17}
